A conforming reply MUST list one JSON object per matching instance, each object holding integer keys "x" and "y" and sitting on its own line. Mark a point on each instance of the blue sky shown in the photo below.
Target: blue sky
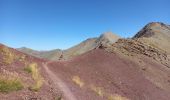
{"x": 50, "y": 24}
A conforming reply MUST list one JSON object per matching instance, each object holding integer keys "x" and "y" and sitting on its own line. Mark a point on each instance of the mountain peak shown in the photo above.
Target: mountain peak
{"x": 109, "y": 37}
{"x": 152, "y": 29}
{"x": 153, "y": 25}
{"x": 106, "y": 39}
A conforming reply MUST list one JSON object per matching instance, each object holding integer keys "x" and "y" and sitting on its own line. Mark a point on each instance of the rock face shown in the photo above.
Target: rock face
{"x": 135, "y": 47}
{"x": 106, "y": 39}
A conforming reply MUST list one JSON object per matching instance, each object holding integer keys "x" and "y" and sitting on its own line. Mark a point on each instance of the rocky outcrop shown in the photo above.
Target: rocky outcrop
{"x": 139, "y": 47}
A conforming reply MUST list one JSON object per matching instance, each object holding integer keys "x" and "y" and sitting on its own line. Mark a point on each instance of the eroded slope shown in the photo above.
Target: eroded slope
{"x": 22, "y": 77}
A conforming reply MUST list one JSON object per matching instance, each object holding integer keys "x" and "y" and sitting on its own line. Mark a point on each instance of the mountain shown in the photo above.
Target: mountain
{"x": 51, "y": 55}
{"x": 156, "y": 34}
{"x": 106, "y": 69}
{"x": 81, "y": 48}
{"x": 105, "y": 39}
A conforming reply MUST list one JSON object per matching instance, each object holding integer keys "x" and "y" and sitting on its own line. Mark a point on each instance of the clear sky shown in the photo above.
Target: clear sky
{"x": 50, "y": 24}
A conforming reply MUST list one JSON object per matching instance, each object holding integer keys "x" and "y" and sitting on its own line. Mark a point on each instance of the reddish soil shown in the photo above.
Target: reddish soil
{"x": 17, "y": 67}
{"x": 58, "y": 83}
{"x": 102, "y": 73}
{"x": 112, "y": 73}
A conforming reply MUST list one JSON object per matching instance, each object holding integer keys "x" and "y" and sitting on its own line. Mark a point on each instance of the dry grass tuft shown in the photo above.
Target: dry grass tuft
{"x": 22, "y": 58}
{"x": 117, "y": 97}
{"x": 98, "y": 90}
{"x": 33, "y": 69}
{"x": 78, "y": 81}
{"x": 8, "y": 55}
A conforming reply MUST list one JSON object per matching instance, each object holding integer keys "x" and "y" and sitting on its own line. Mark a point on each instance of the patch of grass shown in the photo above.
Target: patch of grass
{"x": 33, "y": 69}
{"x": 78, "y": 81}
{"x": 9, "y": 84}
{"x": 8, "y": 55}
{"x": 117, "y": 97}
{"x": 98, "y": 90}
{"x": 58, "y": 98}
{"x": 28, "y": 69}
{"x": 36, "y": 87}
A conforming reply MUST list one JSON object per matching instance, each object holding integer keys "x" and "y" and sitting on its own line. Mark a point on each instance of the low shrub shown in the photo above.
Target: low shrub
{"x": 9, "y": 84}
{"x": 33, "y": 69}
{"x": 8, "y": 55}
{"x": 117, "y": 97}
{"x": 98, "y": 90}
{"x": 78, "y": 81}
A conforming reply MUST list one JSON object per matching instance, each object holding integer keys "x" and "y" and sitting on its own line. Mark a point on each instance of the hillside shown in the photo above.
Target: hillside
{"x": 22, "y": 78}
{"x": 85, "y": 46}
{"x": 130, "y": 69}
{"x": 101, "y": 75}
{"x": 104, "y": 68}
{"x": 51, "y": 55}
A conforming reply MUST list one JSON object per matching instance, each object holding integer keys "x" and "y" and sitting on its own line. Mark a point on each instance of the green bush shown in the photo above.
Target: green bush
{"x": 9, "y": 85}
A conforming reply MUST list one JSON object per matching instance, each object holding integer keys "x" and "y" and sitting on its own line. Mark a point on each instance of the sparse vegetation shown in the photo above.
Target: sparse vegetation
{"x": 28, "y": 69}
{"x": 22, "y": 58}
{"x": 78, "y": 81}
{"x": 33, "y": 69}
{"x": 117, "y": 97}
{"x": 98, "y": 90}
{"x": 8, "y": 56}
{"x": 58, "y": 98}
{"x": 10, "y": 83}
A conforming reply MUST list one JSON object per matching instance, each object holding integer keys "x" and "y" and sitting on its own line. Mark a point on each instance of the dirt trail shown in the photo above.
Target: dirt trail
{"x": 59, "y": 83}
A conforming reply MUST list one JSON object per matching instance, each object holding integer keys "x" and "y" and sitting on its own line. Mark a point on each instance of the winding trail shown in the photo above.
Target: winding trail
{"x": 59, "y": 83}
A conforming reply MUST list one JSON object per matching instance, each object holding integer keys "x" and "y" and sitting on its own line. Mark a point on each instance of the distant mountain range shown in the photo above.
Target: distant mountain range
{"x": 105, "y": 39}
{"x": 156, "y": 34}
